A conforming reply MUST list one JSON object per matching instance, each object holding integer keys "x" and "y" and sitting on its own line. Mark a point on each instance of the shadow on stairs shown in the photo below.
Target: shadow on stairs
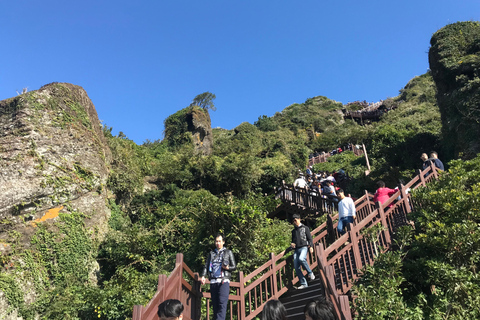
{"x": 295, "y": 300}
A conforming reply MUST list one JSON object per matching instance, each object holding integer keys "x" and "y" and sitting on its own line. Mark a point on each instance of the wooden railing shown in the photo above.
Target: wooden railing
{"x": 181, "y": 284}
{"x": 338, "y": 259}
{"x": 251, "y": 292}
{"x": 303, "y": 198}
{"x": 324, "y": 157}
{"x": 341, "y": 258}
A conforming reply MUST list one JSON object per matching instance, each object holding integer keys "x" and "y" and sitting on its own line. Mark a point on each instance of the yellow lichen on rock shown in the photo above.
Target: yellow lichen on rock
{"x": 50, "y": 214}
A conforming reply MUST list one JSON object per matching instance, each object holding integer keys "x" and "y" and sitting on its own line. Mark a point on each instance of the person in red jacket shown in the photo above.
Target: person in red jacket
{"x": 383, "y": 193}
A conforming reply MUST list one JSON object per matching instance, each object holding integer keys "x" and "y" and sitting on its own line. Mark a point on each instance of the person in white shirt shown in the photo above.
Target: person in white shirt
{"x": 300, "y": 182}
{"x": 331, "y": 178}
{"x": 346, "y": 211}
{"x": 301, "y": 186}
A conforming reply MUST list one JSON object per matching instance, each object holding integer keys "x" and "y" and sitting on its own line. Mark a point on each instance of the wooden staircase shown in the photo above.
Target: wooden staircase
{"x": 295, "y": 300}
{"x": 336, "y": 262}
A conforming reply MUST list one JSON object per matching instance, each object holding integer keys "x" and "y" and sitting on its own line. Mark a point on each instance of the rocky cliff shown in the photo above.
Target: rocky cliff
{"x": 454, "y": 59}
{"x": 201, "y": 128}
{"x": 190, "y": 125}
{"x": 54, "y": 158}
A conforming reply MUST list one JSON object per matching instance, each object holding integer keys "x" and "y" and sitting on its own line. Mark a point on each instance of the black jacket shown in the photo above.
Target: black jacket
{"x": 228, "y": 259}
{"x": 301, "y": 236}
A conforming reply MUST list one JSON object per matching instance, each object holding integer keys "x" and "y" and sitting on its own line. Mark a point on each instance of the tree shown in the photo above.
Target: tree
{"x": 204, "y": 101}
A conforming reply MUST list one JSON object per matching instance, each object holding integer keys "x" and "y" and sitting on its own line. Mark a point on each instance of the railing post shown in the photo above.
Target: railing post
{"x": 137, "y": 312}
{"x": 330, "y": 274}
{"x": 243, "y": 310}
{"x": 345, "y": 307}
{"x": 434, "y": 170}
{"x": 179, "y": 262}
{"x": 162, "y": 280}
{"x": 274, "y": 275}
{"x": 406, "y": 200}
{"x": 197, "y": 313}
{"x": 369, "y": 207}
{"x": 321, "y": 258}
{"x": 356, "y": 252}
{"x": 383, "y": 219}
{"x": 421, "y": 175}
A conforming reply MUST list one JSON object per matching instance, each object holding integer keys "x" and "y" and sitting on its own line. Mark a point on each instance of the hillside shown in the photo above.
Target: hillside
{"x": 171, "y": 196}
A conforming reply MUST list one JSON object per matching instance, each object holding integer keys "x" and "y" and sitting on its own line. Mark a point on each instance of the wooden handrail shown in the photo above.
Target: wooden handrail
{"x": 338, "y": 262}
{"x": 324, "y": 157}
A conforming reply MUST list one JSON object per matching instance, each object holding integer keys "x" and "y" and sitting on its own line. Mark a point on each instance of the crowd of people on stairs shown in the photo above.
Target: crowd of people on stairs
{"x": 322, "y": 184}
{"x": 220, "y": 262}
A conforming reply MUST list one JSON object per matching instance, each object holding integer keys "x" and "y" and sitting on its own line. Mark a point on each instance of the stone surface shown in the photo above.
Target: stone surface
{"x": 454, "y": 59}
{"x": 201, "y": 128}
{"x": 191, "y": 125}
{"x": 52, "y": 154}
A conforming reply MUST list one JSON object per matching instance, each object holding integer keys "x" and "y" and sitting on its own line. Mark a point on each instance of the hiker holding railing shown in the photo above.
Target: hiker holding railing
{"x": 383, "y": 193}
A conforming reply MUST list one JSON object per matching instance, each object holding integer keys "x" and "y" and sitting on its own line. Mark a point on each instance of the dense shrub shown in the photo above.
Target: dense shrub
{"x": 435, "y": 276}
{"x": 454, "y": 58}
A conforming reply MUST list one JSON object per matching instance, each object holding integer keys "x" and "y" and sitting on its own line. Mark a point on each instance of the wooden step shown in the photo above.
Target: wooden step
{"x": 295, "y": 300}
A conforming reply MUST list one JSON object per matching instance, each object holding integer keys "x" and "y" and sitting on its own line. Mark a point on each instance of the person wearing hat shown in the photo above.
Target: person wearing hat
{"x": 301, "y": 186}
{"x": 300, "y": 182}
{"x": 309, "y": 171}
{"x": 301, "y": 242}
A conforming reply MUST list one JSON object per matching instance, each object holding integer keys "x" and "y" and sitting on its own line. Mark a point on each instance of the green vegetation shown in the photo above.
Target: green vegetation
{"x": 195, "y": 196}
{"x": 454, "y": 59}
{"x": 204, "y": 101}
{"x": 176, "y": 128}
{"x": 72, "y": 273}
{"x": 434, "y": 272}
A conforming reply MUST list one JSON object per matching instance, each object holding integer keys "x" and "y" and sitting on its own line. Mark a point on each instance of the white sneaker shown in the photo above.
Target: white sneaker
{"x": 302, "y": 287}
{"x": 312, "y": 276}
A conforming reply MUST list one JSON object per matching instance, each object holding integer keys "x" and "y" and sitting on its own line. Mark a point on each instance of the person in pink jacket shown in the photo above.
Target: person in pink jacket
{"x": 383, "y": 193}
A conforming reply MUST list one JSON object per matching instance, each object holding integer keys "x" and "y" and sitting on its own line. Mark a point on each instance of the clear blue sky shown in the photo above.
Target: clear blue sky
{"x": 141, "y": 61}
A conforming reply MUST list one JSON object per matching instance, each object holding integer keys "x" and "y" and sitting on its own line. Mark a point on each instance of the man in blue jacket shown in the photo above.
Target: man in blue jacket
{"x": 438, "y": 163}
{"x": 301, "y": 242}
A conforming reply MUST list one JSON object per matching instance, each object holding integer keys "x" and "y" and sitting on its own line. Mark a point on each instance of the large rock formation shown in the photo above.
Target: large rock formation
{"x": 190, "y": 125}
{"x": 54, "y": 158}
{"x": 200, "y": 126}
{"x": 454, "y": 59}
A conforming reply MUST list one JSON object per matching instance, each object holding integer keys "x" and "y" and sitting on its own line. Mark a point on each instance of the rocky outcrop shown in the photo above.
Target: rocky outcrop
{"x": 454, "y": 59}
{"x": 199, "y": 124}
{"x": 191, "y": 125}
{"x": 53, "y": 155}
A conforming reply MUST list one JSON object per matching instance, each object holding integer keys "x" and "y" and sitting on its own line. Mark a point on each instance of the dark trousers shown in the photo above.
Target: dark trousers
{"x": 220, "y": 292}
{"x": 342, "y": 223}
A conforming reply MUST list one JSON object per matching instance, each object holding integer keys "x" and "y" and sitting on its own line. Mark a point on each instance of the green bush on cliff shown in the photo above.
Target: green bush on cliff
{"x": 131, "y": 163}
{"x": 176, "y": 128}
{"x": 454, "y": 59}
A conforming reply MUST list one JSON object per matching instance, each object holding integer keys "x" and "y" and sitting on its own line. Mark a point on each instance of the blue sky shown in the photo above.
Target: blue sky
{"x": 141, "y": 61}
